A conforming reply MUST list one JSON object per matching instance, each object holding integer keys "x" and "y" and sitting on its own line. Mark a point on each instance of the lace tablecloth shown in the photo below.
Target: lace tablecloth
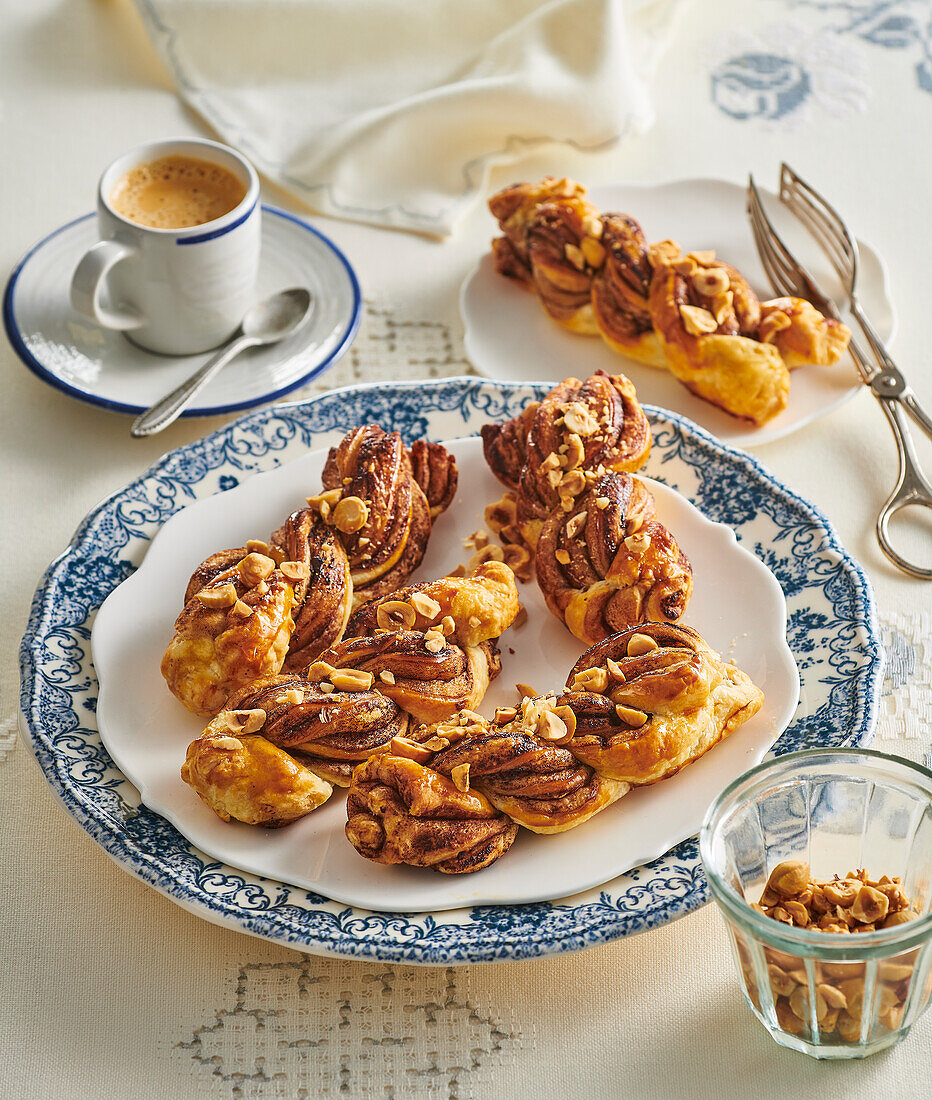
{"x": 109, "y": 990}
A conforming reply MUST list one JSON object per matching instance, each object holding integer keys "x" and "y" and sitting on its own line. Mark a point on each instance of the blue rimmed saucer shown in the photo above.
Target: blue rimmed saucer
{"x": 102, "y": 367}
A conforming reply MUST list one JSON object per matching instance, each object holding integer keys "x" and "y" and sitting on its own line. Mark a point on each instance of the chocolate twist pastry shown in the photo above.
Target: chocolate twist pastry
{"x": 608, "y": 563}
{"x": 549, "y": 229}
{"x": 621, "y": 292}
{"x": 800, "y": 333}
{"x": 234, "y": 628}
{"x": 434, "y": 469}
{"x": 330, "y": 733}
{"x": 578, "y": 429}
{"x": 479, "y": 607}
{"x": 426, "y": 675}
{"x": 376, "y": 504}
{"x": 505, "y": 446}
{"x": 251, "y": 610}
{"x": 537, "y": 784}
{"x": 240, "y": 774}
{"x": 691, "y": 315}
{"x": 707, "y": 318}
{"x": 325, "y": 598}
{"x": 399, "y": 811}
{"x": 652, "y": 699}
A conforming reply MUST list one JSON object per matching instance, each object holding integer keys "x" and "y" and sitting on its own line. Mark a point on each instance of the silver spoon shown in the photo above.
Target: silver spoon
{"x": 265, "y": 323}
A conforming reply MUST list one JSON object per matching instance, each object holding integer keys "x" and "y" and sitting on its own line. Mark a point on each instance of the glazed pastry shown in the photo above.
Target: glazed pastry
{"x": 427, "y": 675}
{"x": 505, "y": 446}
{"x": 252, "y": 610}
{"x": 707, "y": 318}
{"x": 579, "y": 428}
{"x": 399, "y": 811}
{"x": 801, "y": 334}
{"x": 434, "y": 469}
{"x": 325, "y": 599}
{"x": 480, "y": 607}
{"x": 329, "y": 733}
{"x": 537, "y": 783}
{"x": 545, "y": 227}
{"x": 621, "y": 292}
{"x": 652, "y": 699}
{"x": 691, "y": 315}
{"x": 379, "y": 509}
{"x": 235, "y": 627}
{"x": 608, "y": 563}
{"x": 241, "y": 775}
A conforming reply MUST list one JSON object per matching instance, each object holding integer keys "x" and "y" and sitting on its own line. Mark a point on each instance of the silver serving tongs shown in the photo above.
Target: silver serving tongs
{"x": 788, "y": 277}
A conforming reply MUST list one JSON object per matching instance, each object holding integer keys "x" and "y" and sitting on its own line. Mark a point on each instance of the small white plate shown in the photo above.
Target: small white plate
{"x": 102, "y": 367}
{"x": 509, "y": 336}
{"x": 147, "y": 731}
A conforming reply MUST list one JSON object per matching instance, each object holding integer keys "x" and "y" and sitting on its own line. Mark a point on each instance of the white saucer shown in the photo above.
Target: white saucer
{"x": 102, "y": 367}
{"x": 508, "y": 335}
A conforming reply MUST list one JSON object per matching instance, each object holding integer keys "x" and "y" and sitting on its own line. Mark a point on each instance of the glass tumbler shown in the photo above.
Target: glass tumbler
{"x": 828, "y": 995}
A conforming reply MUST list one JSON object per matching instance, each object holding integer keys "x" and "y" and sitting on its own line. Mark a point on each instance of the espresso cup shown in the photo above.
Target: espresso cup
{"x": 176, "y": 291}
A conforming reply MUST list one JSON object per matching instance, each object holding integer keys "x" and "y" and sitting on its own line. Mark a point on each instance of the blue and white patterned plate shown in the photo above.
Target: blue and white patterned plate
{"x": 832, "y": 631}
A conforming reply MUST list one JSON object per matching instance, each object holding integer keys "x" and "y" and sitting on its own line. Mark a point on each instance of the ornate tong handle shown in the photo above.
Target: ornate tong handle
{"x": 882, "y": 375}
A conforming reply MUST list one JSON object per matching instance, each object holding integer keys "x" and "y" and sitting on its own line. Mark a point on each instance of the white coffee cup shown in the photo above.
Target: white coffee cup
{"x": 173, "y": 291}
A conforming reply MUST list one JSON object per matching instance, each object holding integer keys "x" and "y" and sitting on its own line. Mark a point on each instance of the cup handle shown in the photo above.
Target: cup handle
{"x": 88, "y": 280}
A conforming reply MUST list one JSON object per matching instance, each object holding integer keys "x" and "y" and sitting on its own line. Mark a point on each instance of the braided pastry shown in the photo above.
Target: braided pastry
{"x": 545, "y": 225}
{"x": 379, "y": 508}
{"x": 608, "y": 564}
{"x": 652, "y": 699}
{"x": 325, "y": 598}
{"x": 707, "y": 318}
{"x": 329, "y": 733}
{"x": 241, "y": 775}
{"x": 235, "y": 628}
{"x": 250, "y": 611}
{"x": 401, "y": 812}
{"x": 536, "y": 783}
{"x": 621, "y": 292}
{"x": 481, "y": 606}
{"x": 694, "y": 316}
{"x": 427, "y": 675}
{"x": 800, "y": 333}
{"x": 578, "y": 428}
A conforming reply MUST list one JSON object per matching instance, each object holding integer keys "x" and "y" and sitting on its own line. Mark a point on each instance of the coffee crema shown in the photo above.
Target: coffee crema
{"x": 176, "y": 192}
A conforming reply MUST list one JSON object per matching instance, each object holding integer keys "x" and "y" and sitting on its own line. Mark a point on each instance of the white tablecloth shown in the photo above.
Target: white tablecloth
{"x": 108, "y": 990}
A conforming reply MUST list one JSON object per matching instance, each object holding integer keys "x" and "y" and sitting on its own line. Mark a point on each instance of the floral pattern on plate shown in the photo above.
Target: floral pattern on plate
{"x": 832, "y": 630}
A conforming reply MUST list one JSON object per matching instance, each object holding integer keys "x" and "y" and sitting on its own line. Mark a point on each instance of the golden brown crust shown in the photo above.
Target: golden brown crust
{"x": 401, "y": 812}
{"x": 724, "y": 362}
{"x": 603, "y": 413}
{"x": 248, "y": 778}
{"x": 596, "y": 275}
{"x": 608, "y": 563}
{"x": 621, "y": 289}
{"x": 538, "y": 785}
{"x": 216, "y": 649}
{"x": 505, "y": 446}
{"x": 325, "y": 599}
{"x": 801, "y": 334}
{"x": 430, "y": 684}
{"x": 672, "y": 705}
{"x": 434, "y": 469}
{"x": 374, "y": 467}
{"x": 481, "y": 606}
{"x": 329, "y": 733}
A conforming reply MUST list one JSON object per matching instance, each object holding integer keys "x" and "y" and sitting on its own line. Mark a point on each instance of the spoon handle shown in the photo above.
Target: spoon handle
{"x": 170, "y": 407}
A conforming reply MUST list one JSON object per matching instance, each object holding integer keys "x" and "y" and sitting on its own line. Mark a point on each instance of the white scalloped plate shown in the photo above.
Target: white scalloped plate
{"x": 509, "y": 336}
{"x": 738, "y": 606}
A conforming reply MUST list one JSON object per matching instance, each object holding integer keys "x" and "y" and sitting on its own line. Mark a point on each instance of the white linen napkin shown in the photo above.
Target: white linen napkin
{"x": 393, "y": 112}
